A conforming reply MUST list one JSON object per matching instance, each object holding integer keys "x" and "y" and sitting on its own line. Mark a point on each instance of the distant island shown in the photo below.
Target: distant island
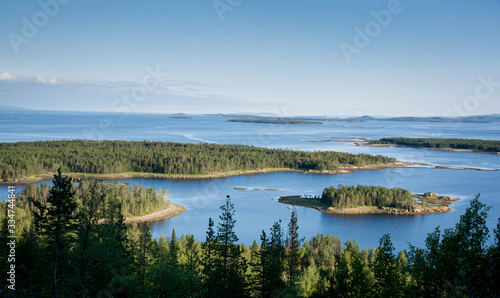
{"x": 170, "y": 117}
{"x": 25, "y": 162}
{"x": 275, "y": 121}
{"x": 493, "y": 118}
{"x": 443, "y": 144}
{"x": 180, "y": 117}
{"x": 364, "y": 199}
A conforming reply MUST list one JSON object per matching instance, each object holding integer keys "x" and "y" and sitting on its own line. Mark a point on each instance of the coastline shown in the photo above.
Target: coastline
{"x": 363, "y": 210}
{"x": 426, "y": 148}
{"x": 125, "y": 175}
{"x": 111, "y": 176}
{"x": 171, "y": 211}
{"x": 362, "y": 141}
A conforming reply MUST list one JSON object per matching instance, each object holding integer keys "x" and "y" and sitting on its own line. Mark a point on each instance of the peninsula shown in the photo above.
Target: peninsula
{"x": 26, "y": 162}
{"x": 441, "y": 144}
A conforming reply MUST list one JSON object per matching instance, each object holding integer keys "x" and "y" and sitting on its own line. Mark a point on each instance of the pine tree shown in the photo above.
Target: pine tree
{"x": 208, "y": 268}
{"x": 272, "y": 257}
{"x": 57, "y": 221}
{"x": 231, "y": 267}
{"x": 293, "y": 250}
{"x": 86, "y": 250}
{"x": 385, "y": 268}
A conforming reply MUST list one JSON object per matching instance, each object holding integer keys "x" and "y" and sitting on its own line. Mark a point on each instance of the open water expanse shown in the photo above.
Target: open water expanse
{"x": 256, "y": 207}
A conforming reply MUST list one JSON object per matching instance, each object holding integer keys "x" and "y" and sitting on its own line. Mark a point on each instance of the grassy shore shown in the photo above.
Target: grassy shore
{"x": 123, "y": 175}
{"x": 171, "y": 211}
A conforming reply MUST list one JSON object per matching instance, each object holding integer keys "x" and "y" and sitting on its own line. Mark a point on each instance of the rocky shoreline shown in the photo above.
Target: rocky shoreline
{"x": 439, "y": 205}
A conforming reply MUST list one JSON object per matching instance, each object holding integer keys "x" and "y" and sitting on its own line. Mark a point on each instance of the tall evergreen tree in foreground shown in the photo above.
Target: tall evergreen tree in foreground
{"x": 56, "y": 220}
{"x": 272, "y": 257}
{"x": 209, "y": 260}
{"x": 224, "y": 264}
{"x": 293, "y": 249}
{"x": 231, "y": 266}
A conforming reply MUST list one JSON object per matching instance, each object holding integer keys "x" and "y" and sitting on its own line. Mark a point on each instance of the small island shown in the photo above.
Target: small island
{"x": 364, "y": 199}
{"x": 180, "y": 117}
{"x": 276, "y": 121}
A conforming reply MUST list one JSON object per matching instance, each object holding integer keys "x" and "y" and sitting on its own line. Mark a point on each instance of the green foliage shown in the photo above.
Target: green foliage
{"x": 293, "y": 249}
{"x": 225, "y": 267}
{"x": 103, "y": 157}
{"x": 111, "y": 259}
{"x": 272, "y": 262}
{"x": 133, "y": 200}
{"x": 56, "y": 220}
{"x": 363, "y": 195}
{"x": 465, "y": 144}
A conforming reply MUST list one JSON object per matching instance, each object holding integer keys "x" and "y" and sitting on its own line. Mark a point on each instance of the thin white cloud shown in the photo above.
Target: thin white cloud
{"x": 163, "y": 87}
{"x": 6, "y": 76}
{"x": 43, "y": 80}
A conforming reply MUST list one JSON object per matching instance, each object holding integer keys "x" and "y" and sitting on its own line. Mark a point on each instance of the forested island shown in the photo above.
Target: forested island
{"x": 64, "y": 252}
{"x": 31, "y": 161}
{"x": 462, "y": 145}
{"x": 367, "y": 199}
{"x": 275, "y": 121}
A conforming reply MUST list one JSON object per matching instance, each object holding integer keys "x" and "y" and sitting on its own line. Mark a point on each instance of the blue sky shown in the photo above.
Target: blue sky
{"x": 420, "y": 57}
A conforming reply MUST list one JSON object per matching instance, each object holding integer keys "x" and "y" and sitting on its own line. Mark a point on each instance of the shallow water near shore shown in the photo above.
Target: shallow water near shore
{"x": 258, "y": 210}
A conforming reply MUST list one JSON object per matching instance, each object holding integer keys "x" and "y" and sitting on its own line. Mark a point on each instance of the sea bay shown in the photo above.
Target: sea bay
{"x": 258, "y": 209}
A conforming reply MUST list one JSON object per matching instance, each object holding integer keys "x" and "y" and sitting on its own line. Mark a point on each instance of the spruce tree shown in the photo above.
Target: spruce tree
{"x": 273, "y": 261}
{"x": 293, "y": 249}
{"x": 384, "y": 269}
{"x": 209, "y": 259}
{"x": 231, "y": 266}
{"x": 56, "y": 220}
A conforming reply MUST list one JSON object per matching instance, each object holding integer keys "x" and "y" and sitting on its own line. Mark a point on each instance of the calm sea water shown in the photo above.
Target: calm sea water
{"x": 258, "y": 209}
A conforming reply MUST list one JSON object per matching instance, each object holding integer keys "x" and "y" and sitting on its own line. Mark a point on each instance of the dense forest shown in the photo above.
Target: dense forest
{"x": 103, "y": 157}
{"x": 465, "y": 144}
{"x": 366, "y": 195}
{"x": 78, "y": 257}
{"x": 133, "y": 200}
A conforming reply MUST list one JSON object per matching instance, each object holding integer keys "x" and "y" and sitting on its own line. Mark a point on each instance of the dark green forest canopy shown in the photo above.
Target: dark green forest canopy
{"x": 441, "y": 143}
{"x": 366, "y": 195}
{"x": 133, "y": 200}
{"x": 106, "y": 157}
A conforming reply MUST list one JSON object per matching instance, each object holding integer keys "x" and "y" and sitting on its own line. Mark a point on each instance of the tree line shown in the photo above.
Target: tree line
{"x": 79, "y": 257}
{"x": 133, "y": 200}
{"x": 442, "y": 143}
{"x": 366, "y": 195}
{"x": 24, "y": 159}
